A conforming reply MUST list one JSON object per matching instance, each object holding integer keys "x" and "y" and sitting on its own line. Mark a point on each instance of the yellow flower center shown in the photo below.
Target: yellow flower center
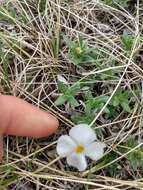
{"x": 79, "y": 149}
{"x": 78, "y": 50}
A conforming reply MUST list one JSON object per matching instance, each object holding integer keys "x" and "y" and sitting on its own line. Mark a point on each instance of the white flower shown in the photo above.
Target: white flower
{"x": 81, "y": 142}
{"x": 62, "y": 79}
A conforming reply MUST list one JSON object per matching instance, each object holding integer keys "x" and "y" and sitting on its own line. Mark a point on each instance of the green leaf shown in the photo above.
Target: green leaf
{"x": 111, "y": 169}
{"x": 116, "y": 101}
{"x": 106, "y": 110}
{"x": 113, "y": 112}
{"x": 136, "y": 156}
{"x": 61, "y": 100}
{"x": 73, "y": 102}
{"x": 102, "y": 98}
{"x": 62, "y": 87}
{"x": 75, "y": 89}
{"x": 127, "y": 41}
{"x": 125, "y": 106}
{"x": 78, "y": 118}
{"x": 88, "y": 95}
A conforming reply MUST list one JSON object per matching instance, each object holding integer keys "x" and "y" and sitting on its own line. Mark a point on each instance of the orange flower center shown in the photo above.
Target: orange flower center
{"x": 79, "y": 149}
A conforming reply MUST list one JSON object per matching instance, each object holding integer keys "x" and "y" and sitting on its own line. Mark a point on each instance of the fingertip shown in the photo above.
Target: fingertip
{"x": 55, "y": 123}
{"x": 49, "y": 125}
{"x": 20, "y": 118}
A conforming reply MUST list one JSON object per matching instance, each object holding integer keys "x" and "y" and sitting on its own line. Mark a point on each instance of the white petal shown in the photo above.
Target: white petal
{"x": 95, "y": 150}
{"x": 82, "y": 134}
{"x": 65, "y": 145}
{"x": 78, "y": 161}
{"x": 62, "y": 79}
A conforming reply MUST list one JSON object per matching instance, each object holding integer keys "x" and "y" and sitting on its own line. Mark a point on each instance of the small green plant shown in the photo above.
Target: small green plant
{"x": 114, "y": 167}
{"x": 68, "y": 94}
{"x": 127, "y": 41}
{"x": 79, "y": 52}
{"x": 136, "y": 156}
{"x": 96, "y": 104}
{"x": 92, "y": 105}
{"x": 122, "y": 99}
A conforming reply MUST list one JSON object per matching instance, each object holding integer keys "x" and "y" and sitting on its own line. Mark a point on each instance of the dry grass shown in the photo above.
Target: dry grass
{"x": 32, "y": 35}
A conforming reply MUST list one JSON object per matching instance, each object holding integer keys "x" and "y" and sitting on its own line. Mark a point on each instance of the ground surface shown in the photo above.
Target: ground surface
{"x": 98, "y": 48}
